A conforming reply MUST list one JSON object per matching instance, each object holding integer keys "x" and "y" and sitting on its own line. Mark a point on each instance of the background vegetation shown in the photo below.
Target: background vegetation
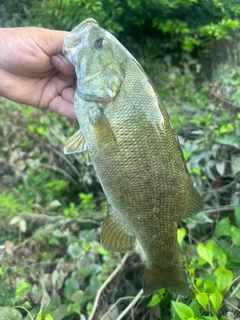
{"x": 52, "y": 205}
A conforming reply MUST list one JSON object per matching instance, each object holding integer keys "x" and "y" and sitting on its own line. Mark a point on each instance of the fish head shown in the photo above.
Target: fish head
{"x": 98, "y": 58}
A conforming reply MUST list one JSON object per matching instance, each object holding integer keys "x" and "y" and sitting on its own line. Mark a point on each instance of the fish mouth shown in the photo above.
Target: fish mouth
{"x": 78, "y": 34}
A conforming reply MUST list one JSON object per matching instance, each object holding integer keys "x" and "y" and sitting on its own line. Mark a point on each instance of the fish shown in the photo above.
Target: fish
{"x": 136, "y": 154}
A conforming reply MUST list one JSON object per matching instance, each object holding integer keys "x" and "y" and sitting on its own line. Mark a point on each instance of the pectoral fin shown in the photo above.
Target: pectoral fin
{"x": 115, "y": 237}
{"x": 102, "y": 129}
{"x": 75, "y": 144}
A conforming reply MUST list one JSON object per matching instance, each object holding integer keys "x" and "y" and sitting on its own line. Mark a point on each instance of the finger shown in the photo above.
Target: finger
{"x": 63, "y": 65}
{"x": 63, "y": 107}
{"x": 63, "y": 104}
{"x": 68, "y": 94}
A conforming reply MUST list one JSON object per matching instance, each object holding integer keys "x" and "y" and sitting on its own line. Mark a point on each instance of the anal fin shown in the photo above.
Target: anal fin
{"x": 115, "y": 237}
{"x": 75, "y": 144}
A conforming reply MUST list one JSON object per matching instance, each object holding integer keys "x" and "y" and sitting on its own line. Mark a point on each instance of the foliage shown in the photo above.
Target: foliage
{"x": 52, "y": 212}
{"x": 171, "y": 24}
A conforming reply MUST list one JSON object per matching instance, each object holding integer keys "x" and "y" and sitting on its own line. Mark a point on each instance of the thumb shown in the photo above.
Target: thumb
{"x": 63, "y": 65}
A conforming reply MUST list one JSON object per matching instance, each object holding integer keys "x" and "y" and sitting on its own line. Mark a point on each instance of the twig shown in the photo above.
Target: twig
{"x": 64, "y": 158}
{"x": 220, "y": 208}
{"x": 226, "y": 186}
{"x": 114, "y": 306}
{"x": 64, "y": 173}
{"x": 131, "y": 305}
{"x": 33, "y": 236}
{"x": 217, "y": 95}
{"x": 105, "y": 283}
{"x": 232, "y": 305}
{"x": 53, "y": 226}
{"x": 45, "y": 218}
{"x": 234, "y": 291}
{"x": 60, "y": 138}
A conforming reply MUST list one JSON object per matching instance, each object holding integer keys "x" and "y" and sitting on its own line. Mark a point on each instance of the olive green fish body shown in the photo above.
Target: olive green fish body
{"x": 136, "y": 155}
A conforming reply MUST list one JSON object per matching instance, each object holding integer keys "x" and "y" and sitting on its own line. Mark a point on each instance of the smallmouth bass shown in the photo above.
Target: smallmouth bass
{"x": 131, "y": 143}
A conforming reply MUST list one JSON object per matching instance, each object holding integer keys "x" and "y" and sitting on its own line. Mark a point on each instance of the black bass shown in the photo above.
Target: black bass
{"x": 131, "y": 143}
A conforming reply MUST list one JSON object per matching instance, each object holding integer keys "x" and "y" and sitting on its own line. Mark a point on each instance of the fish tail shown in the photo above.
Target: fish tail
{"x": 170, "y": 278}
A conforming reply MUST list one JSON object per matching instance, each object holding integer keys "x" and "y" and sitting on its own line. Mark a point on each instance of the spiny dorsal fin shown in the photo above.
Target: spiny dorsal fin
{"x": 115, "y": 237}
{"x": 75, "y": 144}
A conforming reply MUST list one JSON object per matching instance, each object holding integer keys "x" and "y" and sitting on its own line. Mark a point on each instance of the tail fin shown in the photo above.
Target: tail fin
{"x": 169, "y": 278}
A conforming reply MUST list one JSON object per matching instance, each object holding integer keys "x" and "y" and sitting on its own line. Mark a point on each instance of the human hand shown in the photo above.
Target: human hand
{"x": 33, "y": 71}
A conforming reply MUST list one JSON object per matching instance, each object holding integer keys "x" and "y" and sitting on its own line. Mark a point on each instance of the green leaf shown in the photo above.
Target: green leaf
{"x": 209, "y": 286}
{"x": 183, "y": 311}
{"x": 194, "y": 306}
{"x": 237, "y": 215}
{"x": 202, "y": 299}
{"x": 103, "y": 252}
{"x": 216, "y": 300}
{"x": 223, "y": 227}
{"x": 77, "y": 297}
{"x": 71, "y": 286}
{"x": 181, "y": 233}
{"x": 206, "y": 252}
{"x": 156, "y": 298}
{"x": 235, "y": 235}
{"x": 48, "y": 317}
{"x": 224, "y": 278}
{"x": 199, "y": 282}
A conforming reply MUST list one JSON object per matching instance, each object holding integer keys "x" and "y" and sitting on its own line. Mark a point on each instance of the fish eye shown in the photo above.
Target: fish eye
{"x": 98, "y": 43}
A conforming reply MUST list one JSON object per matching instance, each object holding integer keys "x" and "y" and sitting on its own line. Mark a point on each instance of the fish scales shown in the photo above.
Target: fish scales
{"x": 135, "y": 153}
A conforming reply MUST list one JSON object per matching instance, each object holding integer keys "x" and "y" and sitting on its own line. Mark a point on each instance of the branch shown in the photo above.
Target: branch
{"x": 221, "y": 208}
{"x": 105, "y": 283}
{"x": 53, "y": 226}
{"x": 48, "y": 219}
{"x": 64, "y": 158}
{"x": 105, "y": 316}
{"x": 64, "y": 173}
{"x": 230, "y": 184}
{"x": 131, "y": 305}
{"x": 217, "y": 95}
{"x": 234, "y": 307}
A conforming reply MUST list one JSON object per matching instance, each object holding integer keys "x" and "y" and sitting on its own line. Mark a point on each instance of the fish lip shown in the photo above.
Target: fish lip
{"x": 77, "y": 34}
{"x": 85, "y": 23}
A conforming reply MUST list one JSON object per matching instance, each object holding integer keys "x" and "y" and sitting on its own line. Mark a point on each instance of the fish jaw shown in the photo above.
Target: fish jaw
{"x": 75, "y": 39}
{"x": 99, "y": 72}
